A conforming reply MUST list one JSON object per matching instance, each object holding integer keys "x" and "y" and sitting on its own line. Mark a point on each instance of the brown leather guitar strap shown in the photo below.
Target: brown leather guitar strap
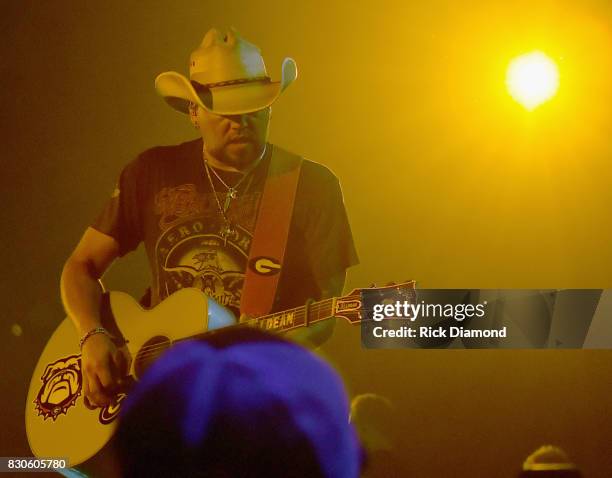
{"x": 267, "y": 254}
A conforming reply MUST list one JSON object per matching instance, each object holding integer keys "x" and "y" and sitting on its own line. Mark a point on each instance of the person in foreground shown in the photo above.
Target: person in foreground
{"x": 549, "y": 461}
{"x": 238, "y": 406}
{"x": 196, "y": 208}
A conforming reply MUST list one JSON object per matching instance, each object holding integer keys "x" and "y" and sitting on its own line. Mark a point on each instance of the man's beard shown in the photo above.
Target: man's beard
{"x": 238, "y": 155}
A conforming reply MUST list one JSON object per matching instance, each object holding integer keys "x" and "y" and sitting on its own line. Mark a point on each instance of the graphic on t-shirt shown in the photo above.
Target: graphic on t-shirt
{"x": 174, "y": 204}
{"x": 206, "y": 263}
{"x": 191, "y": 251}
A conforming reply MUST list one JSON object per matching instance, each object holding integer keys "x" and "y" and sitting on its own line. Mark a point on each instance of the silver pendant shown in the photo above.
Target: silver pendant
{"x": 231, "y": 194}
{"x": 227, "y": 231}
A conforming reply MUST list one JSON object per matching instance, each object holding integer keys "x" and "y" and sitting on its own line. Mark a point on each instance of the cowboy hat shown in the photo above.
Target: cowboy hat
{"x": 228, "y": 76}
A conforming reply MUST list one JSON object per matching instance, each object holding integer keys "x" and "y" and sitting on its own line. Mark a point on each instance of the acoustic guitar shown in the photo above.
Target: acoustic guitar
{"x": 58, "y": 424}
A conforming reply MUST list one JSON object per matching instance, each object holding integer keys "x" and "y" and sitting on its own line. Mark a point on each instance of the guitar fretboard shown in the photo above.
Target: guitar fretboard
{"x": 302, "y": 316}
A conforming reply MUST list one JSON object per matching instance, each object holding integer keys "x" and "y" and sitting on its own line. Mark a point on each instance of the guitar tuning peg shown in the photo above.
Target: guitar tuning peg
{"x": 373, "y": 285}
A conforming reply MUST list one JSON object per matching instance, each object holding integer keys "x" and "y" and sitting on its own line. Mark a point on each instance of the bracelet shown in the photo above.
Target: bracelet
{"x": 97, "y": 330}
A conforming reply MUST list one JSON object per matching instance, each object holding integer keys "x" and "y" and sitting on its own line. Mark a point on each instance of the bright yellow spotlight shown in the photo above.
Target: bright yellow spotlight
{"x": 532, "y": 79}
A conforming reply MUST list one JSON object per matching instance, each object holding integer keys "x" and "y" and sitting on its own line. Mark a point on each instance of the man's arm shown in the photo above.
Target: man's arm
{"x": 80, "y": 286}
{"x": 317, "y": 334}
{"x": 103, "y": 364}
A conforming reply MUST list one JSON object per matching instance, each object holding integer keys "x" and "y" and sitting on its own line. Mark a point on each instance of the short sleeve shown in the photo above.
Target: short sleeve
{"x": 121, "y": 216}
{"x": 329, "y": 242}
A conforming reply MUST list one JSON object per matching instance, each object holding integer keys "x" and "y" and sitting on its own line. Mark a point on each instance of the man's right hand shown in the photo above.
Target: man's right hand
{"x": 102, "y": 363}
{"x": 104, "y": 367}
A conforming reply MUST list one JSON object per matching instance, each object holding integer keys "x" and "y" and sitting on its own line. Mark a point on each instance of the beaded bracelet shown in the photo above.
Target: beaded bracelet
{"x": 97, "y": 330}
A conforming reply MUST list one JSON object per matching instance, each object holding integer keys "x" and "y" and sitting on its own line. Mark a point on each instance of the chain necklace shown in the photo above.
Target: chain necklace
{"x": 232, "y": 193}
{"x": 228, "y": 229}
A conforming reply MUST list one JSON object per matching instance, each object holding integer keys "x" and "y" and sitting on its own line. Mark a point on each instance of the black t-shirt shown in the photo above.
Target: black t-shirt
{"x": 164, "y": 198}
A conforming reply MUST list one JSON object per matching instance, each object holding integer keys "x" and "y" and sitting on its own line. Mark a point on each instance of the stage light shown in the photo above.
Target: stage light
{"x": 532, "y": 79}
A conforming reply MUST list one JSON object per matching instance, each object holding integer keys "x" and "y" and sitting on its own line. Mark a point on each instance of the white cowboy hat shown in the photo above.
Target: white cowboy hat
{"x": 228, "y": 77}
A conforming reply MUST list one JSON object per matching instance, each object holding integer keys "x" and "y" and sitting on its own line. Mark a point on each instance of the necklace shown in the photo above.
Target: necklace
{"x": 232, "y": 193}
{"x": 227, "y": 229}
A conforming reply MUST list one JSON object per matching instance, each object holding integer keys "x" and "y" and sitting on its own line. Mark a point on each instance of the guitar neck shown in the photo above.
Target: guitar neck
{"x": 352, "y": 307}
{"x": 302, "y": 316}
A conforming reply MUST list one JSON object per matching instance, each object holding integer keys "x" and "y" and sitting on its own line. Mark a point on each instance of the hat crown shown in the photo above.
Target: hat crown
{"x": 229, "y": 57}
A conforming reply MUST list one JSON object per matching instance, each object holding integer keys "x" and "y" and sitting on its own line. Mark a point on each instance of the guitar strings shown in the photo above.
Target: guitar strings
{"x": 299, "y": 312}
{"x": 254, "y": 321}
{"x": 152, "y": 350}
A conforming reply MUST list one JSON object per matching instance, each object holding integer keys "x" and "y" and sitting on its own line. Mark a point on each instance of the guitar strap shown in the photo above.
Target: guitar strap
{"x": 267, "y": 254}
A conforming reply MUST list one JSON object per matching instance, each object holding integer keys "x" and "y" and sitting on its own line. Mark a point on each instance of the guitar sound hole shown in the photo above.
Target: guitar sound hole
{"x": 149, "y": 352}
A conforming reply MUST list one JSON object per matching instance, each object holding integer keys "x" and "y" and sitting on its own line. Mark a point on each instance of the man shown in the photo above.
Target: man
{"x": 195, "y": 207}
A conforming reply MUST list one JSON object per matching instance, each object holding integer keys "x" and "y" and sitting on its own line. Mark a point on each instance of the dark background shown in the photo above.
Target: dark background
{"x": 446, "y": 180}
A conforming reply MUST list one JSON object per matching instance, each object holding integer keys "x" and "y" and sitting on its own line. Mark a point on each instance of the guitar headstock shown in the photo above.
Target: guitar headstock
{"x": 357, "y": 305}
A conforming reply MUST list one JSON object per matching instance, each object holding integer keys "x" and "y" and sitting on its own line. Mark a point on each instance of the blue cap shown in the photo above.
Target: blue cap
{"x": 268, "y": 408}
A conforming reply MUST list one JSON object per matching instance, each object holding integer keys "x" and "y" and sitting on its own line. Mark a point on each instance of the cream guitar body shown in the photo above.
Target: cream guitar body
{"x": 57, "y": 422}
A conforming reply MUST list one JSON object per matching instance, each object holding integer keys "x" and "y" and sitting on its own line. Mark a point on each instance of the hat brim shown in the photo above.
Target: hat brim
{"x": 224, "y": 100}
